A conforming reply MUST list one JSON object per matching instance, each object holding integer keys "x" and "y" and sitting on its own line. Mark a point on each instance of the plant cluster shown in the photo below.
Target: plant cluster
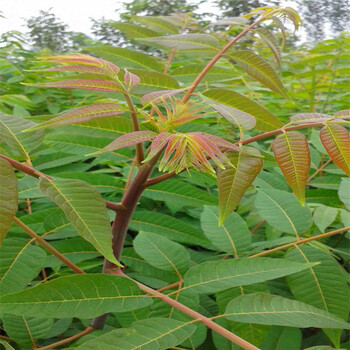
{"x": 217, "y": 222}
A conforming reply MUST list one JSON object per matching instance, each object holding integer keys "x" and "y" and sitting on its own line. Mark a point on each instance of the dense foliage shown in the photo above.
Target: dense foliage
{"x": 211, "y": 168}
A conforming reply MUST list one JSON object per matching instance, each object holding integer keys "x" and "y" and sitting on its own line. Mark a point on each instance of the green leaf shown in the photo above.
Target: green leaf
{"x": 270, "y": 309}
{"x": 214, "y": 276}
{"x": 235, "y": 180}
{"x": 232, "y": 237}
{"x": 259, "y": 69}
{"x": 127, "y": 58}
{"x": 158, "y": 23}
{"x": 179, "y": 193}
{"x": 11, "y": 128}
{"x": 271, "y": 42}
{"x": 292, "y": 153}
{"x": 150, "y": 334}
{"x": 82, "y": 296}
{"x": 344, "y": 193}
{"x": 282, "y": 338}
{"x": 151, "y": 81}
{"x": 283, "y": 211}
{"x": 8, "y": 197}
{"x": 324, "y": 216}
{"x": 322, "y": 286}
{"x": 161, "y": 252}
{"x": 26, "y": 330}
{"x": 183, "y": 41}
{"x": 265, "y": 120}
{"x": 21, "y": 262}
{"x": 172, "y": 228}
{"x": 76, "y": 198}
{"x": 133, "y": 31}
{"x": 6, "y": 345}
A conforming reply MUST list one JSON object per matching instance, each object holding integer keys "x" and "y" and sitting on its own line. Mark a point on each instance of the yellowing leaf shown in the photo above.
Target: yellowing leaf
{"x": 336, "y": 140}
{"x": 292, "y": 153}
{"x": 235, "y": 180}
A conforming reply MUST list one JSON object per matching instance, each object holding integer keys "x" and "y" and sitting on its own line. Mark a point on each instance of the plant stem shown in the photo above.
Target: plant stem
{"x": 305, "y": 240}
{"x": 68, "y": 340}
{"x": 135, "y": 123}
{"x": 47, "y": 246}
{"x": 195, "y": 315}
{"x": 319, "y": 169}
{"x": 216, "y": 58}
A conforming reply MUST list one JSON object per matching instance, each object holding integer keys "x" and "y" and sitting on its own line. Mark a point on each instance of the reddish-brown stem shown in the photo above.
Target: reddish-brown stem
{"x": 319, "y": 169}
{"x": 5, "y": 338}
{"x": 216, "y": 58}
{"x": 35, "y": 173}
{"x": 135, "y": 123}
{"x": 257, "y": 226}
{"x": 47, "y": 246}
{"x": 68, "y": 340}
{"x": 195, "y": 315}
{"x": 305, "y": 240}
{"x": 171, "y": 56}
{"x": 170, "y": 286}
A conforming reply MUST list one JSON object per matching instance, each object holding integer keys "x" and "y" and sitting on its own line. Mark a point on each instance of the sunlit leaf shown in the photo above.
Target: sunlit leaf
{"x": 235, "y": 180}
{"x": 336, "y": 140}
{"x": 292, "y": 153}
{"x": 302, "y": 118}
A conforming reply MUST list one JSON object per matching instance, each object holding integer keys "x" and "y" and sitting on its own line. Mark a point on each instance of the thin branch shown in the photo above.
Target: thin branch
{"x": 195, "y": 315}
{"x": 47, "y": 246}
{"x": 216, "y": 58}
{"x": 319, "y": 169}
{"x": 6, "y": 338}
{"x": 35, "y": 173}
{"x": 305, "y": 240}
{"x": 68, "y": 340}
{"x": 135, "y": 123}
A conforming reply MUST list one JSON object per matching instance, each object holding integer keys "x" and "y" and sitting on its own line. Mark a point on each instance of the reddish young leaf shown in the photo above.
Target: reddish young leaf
{"x": 82, "y": 114}
{"x": 130, "y": 139}
{"x": 292, "y": 153}
{"x": 158, "y": 96}
{"x": 336, "y": 140}
{"x": 131, "y": 79}
{"x": 86, "y": 84}
{"x": 77, "y": 69}
{"x": 301, "y": 118}
{"x": 235, "y": 180}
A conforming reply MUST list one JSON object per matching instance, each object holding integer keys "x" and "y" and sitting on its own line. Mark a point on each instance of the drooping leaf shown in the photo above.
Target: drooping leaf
{"x": 127, "y": 58}
{"x": 271, "y": 42}
{"x": 259, "y": 69}
{"x": 82, "y": 296}
{"x": 21, "y": 262}
{"x": 214, "y": 276}
{"x": 270, "y": 309}
{"x": 282, "y": 338}
{"x": 283, "y": 211}
{"x": 11, "y": 134}
{"x": 85, "y": 84}
{"x": 158, "y": 96}
{"x": 83, "y": 114}
{"x": 234, "y": 115}
{"x": 76, "y": 198}
{"x": 336, "y": 140}
{"x": 8, "y": 197}
{"x": 322, "y": 286}
{"x": 161, "y": 252}
{"x": 232, "y": 237}
{"x": 324, "y": 216}
{"x": 26, "y": 330}
{"x": 130, "y": 139}
{"x": 265, "y": 120}
{"x": 183, "y": 41}
{"x": 153, "y": 333}
{"x": 292, "y": 153}
{"x": 302, "y": 118}
{"x": 235, "y": 180}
